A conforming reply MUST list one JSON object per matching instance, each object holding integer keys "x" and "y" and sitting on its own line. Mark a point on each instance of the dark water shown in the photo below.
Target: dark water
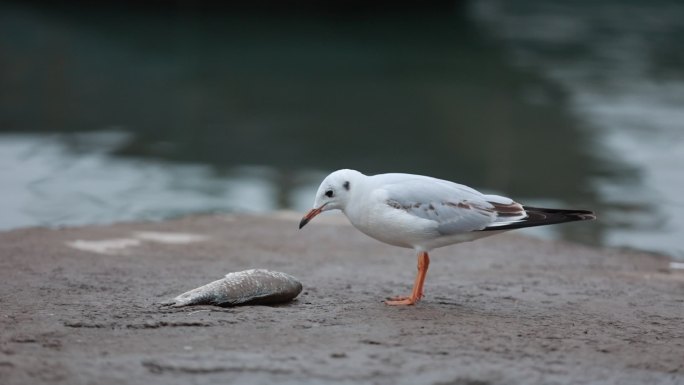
{"x": 112, "y": 113}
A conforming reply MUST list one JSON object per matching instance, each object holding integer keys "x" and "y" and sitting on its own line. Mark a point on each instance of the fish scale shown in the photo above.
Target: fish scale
{"x": 255, "y": 286}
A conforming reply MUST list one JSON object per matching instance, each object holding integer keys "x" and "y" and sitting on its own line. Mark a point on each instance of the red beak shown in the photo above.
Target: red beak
{"x": 309, "y": 216}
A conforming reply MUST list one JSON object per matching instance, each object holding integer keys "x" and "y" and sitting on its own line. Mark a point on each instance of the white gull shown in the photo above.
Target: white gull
{"x": 424, "y": 213}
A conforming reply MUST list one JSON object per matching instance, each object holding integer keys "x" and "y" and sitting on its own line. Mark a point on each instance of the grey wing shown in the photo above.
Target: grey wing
{"x": 452, "y": 207}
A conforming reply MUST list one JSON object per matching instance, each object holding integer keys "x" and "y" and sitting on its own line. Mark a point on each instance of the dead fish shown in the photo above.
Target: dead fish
{"x": 256, "y": 286}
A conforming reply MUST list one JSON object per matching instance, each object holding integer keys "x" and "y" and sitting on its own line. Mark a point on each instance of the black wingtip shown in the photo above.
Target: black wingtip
{"x": 539, "y": 216}
{"x": 562, "y": 215}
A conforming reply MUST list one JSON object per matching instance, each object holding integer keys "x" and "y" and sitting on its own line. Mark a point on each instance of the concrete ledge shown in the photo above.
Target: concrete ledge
{"x": 79, "y": 305}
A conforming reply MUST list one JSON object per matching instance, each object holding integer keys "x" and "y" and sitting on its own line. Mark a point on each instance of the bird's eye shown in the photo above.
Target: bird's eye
{"x": 329, "y": 193}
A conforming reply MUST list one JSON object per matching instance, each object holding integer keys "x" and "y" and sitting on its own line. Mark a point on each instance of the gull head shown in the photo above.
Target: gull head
{"x": 333, "y": 193}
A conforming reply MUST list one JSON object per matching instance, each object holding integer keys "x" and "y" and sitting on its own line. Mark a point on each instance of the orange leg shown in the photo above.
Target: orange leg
{"x": 417, "y": 294}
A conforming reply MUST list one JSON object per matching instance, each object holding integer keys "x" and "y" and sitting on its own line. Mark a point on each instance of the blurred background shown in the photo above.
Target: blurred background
{"x": 113, "y": 111}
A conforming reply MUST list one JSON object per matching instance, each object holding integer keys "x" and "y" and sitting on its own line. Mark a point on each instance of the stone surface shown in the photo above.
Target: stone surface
{"x": 80, "y": 305}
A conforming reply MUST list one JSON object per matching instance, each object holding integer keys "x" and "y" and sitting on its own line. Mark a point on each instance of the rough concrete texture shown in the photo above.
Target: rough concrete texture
{"x": 504, "y": 310}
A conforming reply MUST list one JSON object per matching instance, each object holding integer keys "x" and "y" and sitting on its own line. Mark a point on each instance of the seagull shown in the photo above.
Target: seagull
{"x": 424, "y": 213}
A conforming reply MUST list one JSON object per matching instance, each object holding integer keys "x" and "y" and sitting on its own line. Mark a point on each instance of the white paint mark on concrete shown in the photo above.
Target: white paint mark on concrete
{"x": 121, "y": 245}
{"x": 170, "y": 238}
{"x": 676, "y": 265}
{"x": 106, "y": 246}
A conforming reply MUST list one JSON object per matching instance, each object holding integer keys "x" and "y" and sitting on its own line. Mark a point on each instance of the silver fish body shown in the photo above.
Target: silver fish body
{"x": 255, "y": 286}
